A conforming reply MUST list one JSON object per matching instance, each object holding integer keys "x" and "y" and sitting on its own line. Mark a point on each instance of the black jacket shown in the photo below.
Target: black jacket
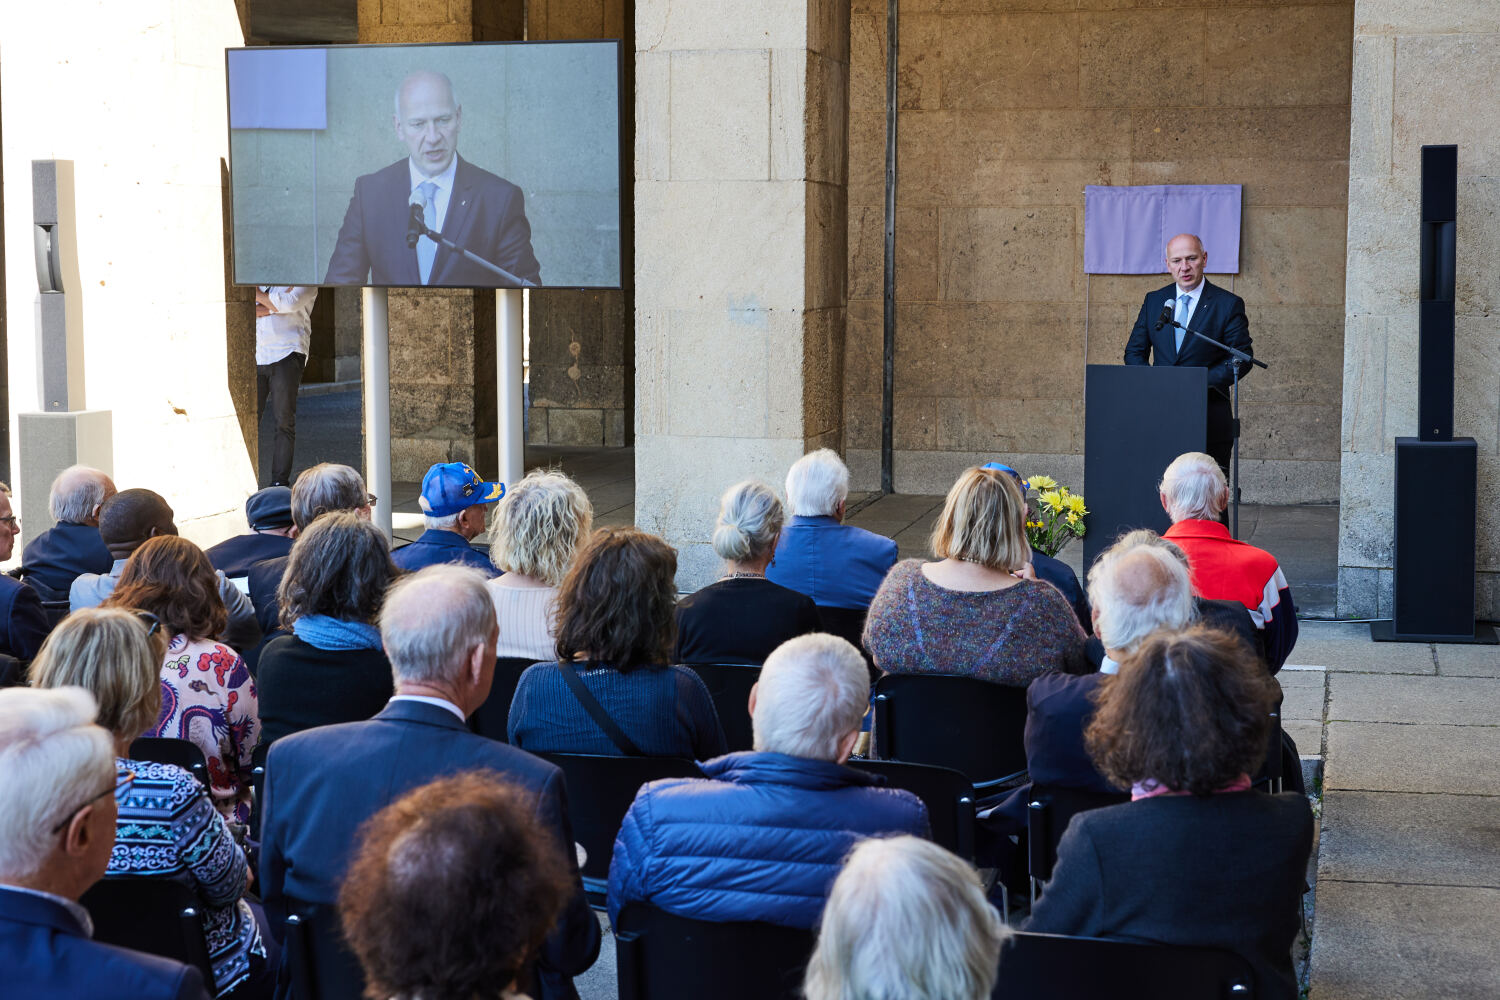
{"x": 302, "y": 686}
{"x": 60, "y": 555}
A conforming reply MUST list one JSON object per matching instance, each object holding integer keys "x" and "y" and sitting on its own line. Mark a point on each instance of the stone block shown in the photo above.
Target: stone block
{"x": 596, "y": 387}
{"x": 1366, "y": 509}
{"x": 1379, "y": 756}
{"x": 826, "y": 247}
{"x": 1380, "y": 940}
{"x": 1124, "y": 57}
{"x": 721, "y": 115}
{"x": 822, "y": 366}
{"x": 1456, "y": 660}
{"x": 1383, "y": 255}
{"x": 1010, "y": 425}
{"x": 1285, "y": 481}
{"x": 1371, "y": 110}
{"x": 1308, "y": 737}
{"x": 575, "y": 428}
{"x": 1285, "y": 257}
{"x": 866, "y": 158}
{"x": 1265, "y": 56}
{"x": 828, "y": 29}
{"x": 1454, "y": 701}
{"x": 1266, "y": 183}
{"x": 827, "y": 121}
{"x": 1346, "y": 646}
{"x": 1477, "y": 292}
{"x": 1476, "y": 388}
{"x": 1357, "y": 597}
{"x": 653, "y": 122}
{"x": 614, "y": 429}
{"x": 1436, "y": 80}
{"x": 709, "y": 25}
{"x": 1418, "y": 17}
{"x": 1415, "y": 839}
{"x": 931, "y": 473}
{"x": 791, "y": 102}
{"x": 567, "y": 327}
{"x": 411, "y": 457}
{"x": 1304, "y": 345}
{"x": 1364, "y": 384}
{"x": 867, "y": 63}
{"x": 1294, "y": 432}
{"x": 997, "y": 253}
{"x": 1303, "y": 693}
{"x": 990, "y": 61}
{"x": 1192, "y": 133}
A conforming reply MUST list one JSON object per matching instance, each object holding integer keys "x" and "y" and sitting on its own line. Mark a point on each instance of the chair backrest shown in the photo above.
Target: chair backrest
{"x": 600, "y": 791}
{"x": 492, "y": 719}
{"x": 849, "y": 623}
{"x": 55, "y": 611}
{"x": 947, "y": 794}
{"x": 729, "y": 686}
{"x": 257, "y": 789}
{"x": 973, "y": 726}
{"x": 660, "y": 956}
{"x": 1050, "y": 809}
{"x": 318, "y": 963}
{"x": 1271, "y": 769}
{"x": 159, "y": 916}
{"x": 169, "y": 750}
{"x": 12, "y": 671}
{"x": 1049, "y": 965}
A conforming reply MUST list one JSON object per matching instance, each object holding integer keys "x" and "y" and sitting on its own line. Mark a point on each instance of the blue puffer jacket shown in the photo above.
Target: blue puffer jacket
{"x": 762, "y": 839}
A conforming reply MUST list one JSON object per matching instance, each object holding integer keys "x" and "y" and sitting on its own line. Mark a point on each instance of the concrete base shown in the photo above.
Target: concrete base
{"x": 49, "y": 443}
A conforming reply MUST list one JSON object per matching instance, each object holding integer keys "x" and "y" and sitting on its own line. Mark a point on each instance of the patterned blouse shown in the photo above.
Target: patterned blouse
{"x": 208, "y": 698}
{"x": 168, "y": 828}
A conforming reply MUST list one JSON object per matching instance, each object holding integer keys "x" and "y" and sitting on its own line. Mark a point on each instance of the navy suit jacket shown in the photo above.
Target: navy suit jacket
{"x": 486, "y": 215}
{"x": 264, "y": 580}
{"x": 44, "y": 955}
{"x": 437, "y": 546}
{"x": 23, "y": 623}
{"x": 321, "y": 784}
{"x": 1061, "y": 576}
{"x": 61, "y": 554}
{"x": 236, "y": 555}
{"x": 837, "y": 565}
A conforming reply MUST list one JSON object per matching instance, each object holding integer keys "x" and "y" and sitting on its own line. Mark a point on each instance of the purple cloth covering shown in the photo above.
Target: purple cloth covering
{"x": 1125, "y": 229}
{"x": 278, "y": 88}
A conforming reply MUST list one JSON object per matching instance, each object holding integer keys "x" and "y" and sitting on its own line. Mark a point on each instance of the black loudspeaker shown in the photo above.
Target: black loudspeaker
{"x": 1435, "y": 316}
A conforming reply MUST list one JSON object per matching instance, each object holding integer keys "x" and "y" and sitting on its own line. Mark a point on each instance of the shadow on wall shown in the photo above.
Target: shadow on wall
{"x": 239, "y": 333}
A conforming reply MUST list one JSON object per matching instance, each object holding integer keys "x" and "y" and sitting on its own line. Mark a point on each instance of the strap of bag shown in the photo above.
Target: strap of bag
{"x": 597, "y": 713}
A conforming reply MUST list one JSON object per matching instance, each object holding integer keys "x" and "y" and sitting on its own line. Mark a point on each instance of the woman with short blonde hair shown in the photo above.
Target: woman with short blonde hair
{"x": 538, "y": 527}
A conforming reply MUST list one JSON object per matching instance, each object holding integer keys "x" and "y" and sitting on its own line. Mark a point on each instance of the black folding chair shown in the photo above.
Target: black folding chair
{"x": 12, "y": 671}
{"x": 159, "y": 916}
{"x": 729, "y": 686}
{"x": 600, "y": 791}
{"x": 946, "y": 793}
{"x": 664, "y": 957}
{"x": 319, "y": 965}
{"x": 55, "y": 611}
{"x": 168, "y": 750}
{"x": 1272, "y": 770}
{"x": 1050, "y": 965}
{"x": 257, "y": 789}
{"x": 492, "y": 719}
{"x": 974, "y": 727}
{"x": 849, "y": 623}
{"x": 1048, "y": 813}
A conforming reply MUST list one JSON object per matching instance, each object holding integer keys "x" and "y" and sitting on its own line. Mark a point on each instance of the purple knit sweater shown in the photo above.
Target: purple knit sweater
{"x": 1005, "y": 636}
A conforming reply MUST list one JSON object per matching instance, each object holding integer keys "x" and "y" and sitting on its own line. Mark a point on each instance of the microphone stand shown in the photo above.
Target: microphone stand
{"x": 1240, "y": 358}
{"x": 416, "y": 229}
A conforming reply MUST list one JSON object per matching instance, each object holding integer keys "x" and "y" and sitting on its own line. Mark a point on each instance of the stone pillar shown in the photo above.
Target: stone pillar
{"x": 1417, "y": 69}
{"x": 741, "y": 234}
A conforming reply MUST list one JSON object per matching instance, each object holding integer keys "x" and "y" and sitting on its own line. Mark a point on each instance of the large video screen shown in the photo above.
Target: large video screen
{"x": 480, "y": 165}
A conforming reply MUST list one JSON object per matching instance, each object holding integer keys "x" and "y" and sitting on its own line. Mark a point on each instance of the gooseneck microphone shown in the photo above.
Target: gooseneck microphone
{"x": 1162, "y": 320}
{"x": 416, "y": 223}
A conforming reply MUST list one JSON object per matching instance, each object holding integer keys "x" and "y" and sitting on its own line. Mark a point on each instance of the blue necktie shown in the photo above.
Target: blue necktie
{"x": 426, "y": 249}
{"x": 1182, "y": 317}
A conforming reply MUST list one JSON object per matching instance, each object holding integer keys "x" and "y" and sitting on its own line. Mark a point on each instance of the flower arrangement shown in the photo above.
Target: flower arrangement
{"x": 1054, "y": 516}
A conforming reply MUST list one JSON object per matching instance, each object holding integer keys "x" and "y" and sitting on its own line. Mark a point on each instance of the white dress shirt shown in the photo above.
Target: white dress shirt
{"x": 1192, "y": 305}
{"x": 428, "y": 700}
{"x": 289, "y": 328}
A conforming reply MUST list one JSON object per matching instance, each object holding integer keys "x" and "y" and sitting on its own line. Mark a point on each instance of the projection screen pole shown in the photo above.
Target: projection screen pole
{"x": 510, "y": 412}
{"x": 377, "y": 379}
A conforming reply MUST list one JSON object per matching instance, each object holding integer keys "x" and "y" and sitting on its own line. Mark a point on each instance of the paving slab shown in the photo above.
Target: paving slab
{"x": 1467, "y": 661}
{"x": 1307, "y": 735}
{"x": 1393, "y": 757}
{"x": 1378, "y": 942}
{"x": 1347, "y": 646}
{"x": 1302, "y": 695}
{"x": 1454, "y": 701}
{"x": 1400, "y": 837}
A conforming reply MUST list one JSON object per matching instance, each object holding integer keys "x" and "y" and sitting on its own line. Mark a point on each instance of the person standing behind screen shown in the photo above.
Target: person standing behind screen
{"x": 474, "y": 208}
{"x": 283, "y": 330}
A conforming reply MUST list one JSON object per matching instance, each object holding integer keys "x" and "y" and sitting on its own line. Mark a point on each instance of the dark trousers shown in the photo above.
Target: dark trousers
{"x": 279, "y": 381}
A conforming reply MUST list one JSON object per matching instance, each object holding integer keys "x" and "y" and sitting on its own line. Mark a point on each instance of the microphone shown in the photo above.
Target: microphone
{"x": 1164, "y": 318}
{"x": 416, "y": 223}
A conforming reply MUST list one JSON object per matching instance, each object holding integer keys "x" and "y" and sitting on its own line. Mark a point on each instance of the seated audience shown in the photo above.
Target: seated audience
{"x": 324, "y": 488}
{"x": 269, "y": 515}
{"x": 614, "y": 637}
{"x": 330, "y": 668}
{"x": 979, "y": 611}
{"x": 762, "y": 836}
{"x": 72, "y": 546}
{"x": 167, "y": 827}
{"x": 906, "y": 919}
{"x": 454, "y": 501}
{"x": 1048, "y": 568}
{"x": 452, "y": 892}
{"x": 23, "y": 623}
{"x": 836, "y": 564}
{"x": 438, "y": 627}
{"x": 1196, "y": 858}
{"x": 1194, "y": 494}
{"x": 539, "y": 526}
{"x": 127, "y": 521}
{"x": 58, "y": 790}
{"x": 743, "y": 616}
{"x": 208, "y": 696}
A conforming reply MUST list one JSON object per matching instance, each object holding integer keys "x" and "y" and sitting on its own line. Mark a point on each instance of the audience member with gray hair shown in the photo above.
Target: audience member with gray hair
{"x": 836, "y": 564}
{"x": 455, "y": 501}
{"x": 438, "y": 629}
{"x": 906, "y": 919}
{"x": 539, "y": 526}
{"x": 762, "y": 835}
{"x": 742, "y": 616}
{"x": 58, "y": 790}
{"x": 72, "y": 546}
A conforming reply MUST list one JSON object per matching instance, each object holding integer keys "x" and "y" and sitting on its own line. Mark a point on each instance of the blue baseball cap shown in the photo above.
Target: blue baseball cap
{"x": 1002, "y": 467}
{"x": 453, "y": 487}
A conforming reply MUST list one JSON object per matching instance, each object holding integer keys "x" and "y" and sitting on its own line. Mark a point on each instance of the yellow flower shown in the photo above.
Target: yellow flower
{"x": 1052, "y": 500}
{"x": 1040, "y": 482}
{"x": 1072, "y": 517}
{"x": 1075, "y": 504}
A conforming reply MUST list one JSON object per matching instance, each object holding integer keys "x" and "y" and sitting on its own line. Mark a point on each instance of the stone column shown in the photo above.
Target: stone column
{"x": 741, "y": 234}
{"x": 1417, "y": 71}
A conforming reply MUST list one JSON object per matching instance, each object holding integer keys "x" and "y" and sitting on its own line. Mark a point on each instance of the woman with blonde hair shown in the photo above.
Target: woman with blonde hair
{"x": 978, "y": 611}
{"x": 167, "y": 825}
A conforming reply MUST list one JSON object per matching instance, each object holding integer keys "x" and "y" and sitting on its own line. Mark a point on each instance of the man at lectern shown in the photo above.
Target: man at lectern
{"x": 479, "y": 211}
{"x": 1207, "y": 308}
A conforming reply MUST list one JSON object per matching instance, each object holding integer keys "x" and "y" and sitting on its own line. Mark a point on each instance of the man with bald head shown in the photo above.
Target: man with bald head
{"x": 1212, "y": 311}
{"x": 72, "y": 546}
{"x": 477, "y": 210}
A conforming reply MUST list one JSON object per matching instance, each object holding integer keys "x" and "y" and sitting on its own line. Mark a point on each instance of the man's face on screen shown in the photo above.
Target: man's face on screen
{"x": 427, "y": 122}
{"x": 1186, "y": 259}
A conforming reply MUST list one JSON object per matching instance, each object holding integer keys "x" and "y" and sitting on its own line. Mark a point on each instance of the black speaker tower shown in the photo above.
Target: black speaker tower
{"x": 1436, "y": 473}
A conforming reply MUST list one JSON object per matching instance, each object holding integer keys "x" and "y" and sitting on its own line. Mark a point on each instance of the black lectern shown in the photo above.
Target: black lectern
{"x": 1138, "y": 418}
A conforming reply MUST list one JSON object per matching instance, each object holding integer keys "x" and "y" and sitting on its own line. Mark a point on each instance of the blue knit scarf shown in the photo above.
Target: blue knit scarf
{"x": 323, "y": 632}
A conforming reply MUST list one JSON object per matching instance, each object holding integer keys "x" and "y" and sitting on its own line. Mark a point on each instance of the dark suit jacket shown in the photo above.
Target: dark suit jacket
{"x": 486, "y": 215}
{"x": 1058, "y": 707}
{"x": 23, "y": 623}
{"x": 1061, "y": 576}
{"x": 60, "y": 555}
{"x": 1226, "y": 871}
{"x": 44, "y": 955}
{"x": 264, "y": 579}
{"x": 321, "y": 784}
{"x": 236, "y": 555}
{"x": 1220, "y": 314}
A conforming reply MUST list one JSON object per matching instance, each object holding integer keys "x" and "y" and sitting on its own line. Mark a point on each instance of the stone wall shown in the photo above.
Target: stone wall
{"x": 1008, "y": 109}
{"x": 1424, "y": 73}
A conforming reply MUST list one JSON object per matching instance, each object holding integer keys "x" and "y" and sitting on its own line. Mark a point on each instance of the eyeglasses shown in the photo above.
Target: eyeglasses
{"x": 371, "y": 500}
{"x": 123, "y": 780}
{"x": 152, "y": 623}
{"x": 10, "y": 522}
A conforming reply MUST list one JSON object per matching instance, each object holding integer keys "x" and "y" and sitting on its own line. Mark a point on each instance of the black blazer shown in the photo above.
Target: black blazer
{"x": 264, "y": 579}
{"x": 321, "y": 784}
{"x": 234, "y": 556}
{"x": 303, "y": 687}
{"x": 1220, "y": 314}
{"x": 1226, "y": 871}
{"x": 60, "y": 555}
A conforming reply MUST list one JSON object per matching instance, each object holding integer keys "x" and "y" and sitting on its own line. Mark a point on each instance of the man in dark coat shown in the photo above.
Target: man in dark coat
{"x": 72, "y": 546}
{"x": 269, "y": 514}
